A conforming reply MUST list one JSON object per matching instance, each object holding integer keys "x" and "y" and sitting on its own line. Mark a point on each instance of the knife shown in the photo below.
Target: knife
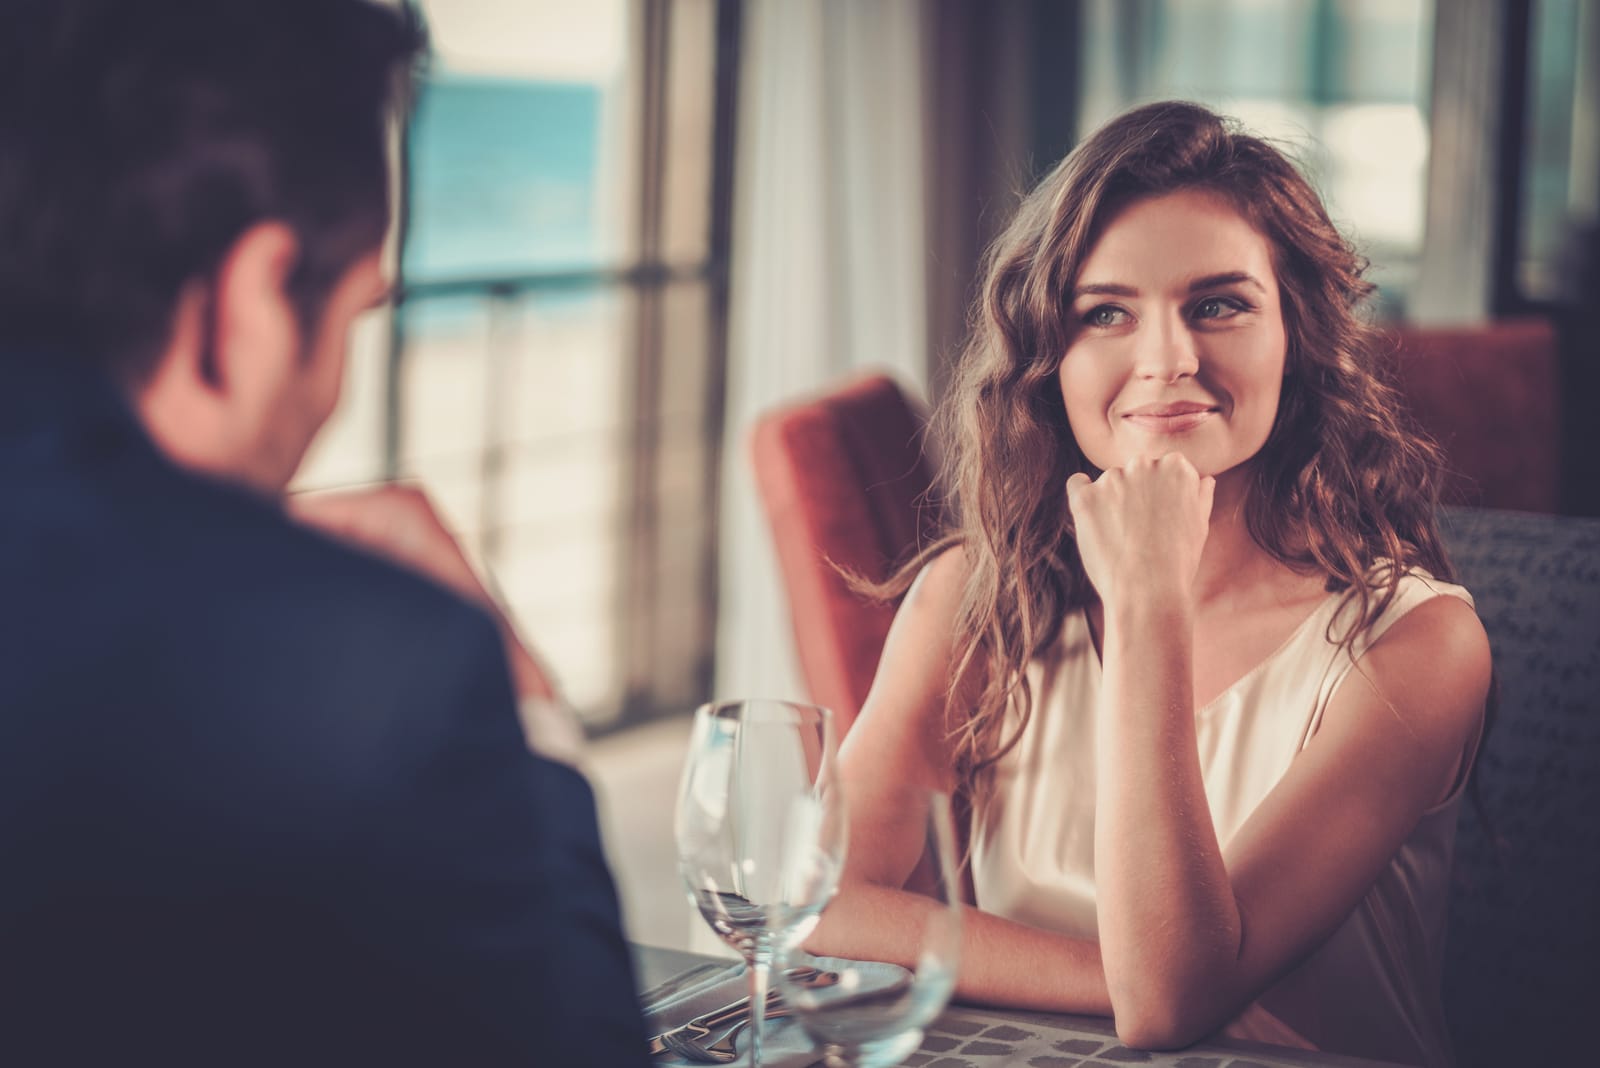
{"x": 702, "y": 1025}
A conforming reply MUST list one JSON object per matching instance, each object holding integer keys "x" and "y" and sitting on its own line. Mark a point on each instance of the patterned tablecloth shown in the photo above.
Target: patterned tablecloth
{"x": 970, "y": 1037}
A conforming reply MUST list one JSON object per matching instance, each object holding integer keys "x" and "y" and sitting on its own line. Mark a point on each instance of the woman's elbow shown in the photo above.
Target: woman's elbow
{"x": 1154, "y": 1032}
{"x": 1174, "y": 999}
{"x": 1158, "y": 1019}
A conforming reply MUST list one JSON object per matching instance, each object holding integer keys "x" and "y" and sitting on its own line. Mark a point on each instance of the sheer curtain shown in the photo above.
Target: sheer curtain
{"x": 829, "y": 264}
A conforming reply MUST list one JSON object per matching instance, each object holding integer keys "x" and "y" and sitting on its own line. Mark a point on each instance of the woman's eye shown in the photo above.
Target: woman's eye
{"x": 1217, "y": 308}
{"x": 1105, "y": 315}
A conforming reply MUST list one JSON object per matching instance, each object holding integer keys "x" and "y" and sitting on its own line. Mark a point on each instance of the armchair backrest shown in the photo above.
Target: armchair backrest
{"x": 1490, "y": 396}
{"x": 845, "y": 482}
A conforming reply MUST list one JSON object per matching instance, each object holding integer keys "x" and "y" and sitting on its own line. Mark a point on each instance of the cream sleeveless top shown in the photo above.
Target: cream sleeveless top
{"x": 1373, "y": 988}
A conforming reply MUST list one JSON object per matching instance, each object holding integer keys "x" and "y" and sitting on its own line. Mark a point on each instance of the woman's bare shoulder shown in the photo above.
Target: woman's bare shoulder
{"x": 902, "y": 722}
{"x": 1428, "y": 675}
{"x": 938, "y": 588}
{"x": 1439, "y": 651}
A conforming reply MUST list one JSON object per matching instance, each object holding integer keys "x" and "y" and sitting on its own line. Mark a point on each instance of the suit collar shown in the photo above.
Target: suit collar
{"x": 51, "y": 393}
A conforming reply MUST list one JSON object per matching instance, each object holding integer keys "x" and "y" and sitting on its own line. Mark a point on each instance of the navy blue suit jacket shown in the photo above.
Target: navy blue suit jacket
{"x": 264, "y": 799}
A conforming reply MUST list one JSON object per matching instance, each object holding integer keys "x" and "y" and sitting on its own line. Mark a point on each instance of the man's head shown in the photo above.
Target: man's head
{"x": 192, "y": 191}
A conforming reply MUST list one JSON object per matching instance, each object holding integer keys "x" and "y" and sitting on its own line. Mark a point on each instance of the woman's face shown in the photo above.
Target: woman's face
{"x": 1179, "y": 340}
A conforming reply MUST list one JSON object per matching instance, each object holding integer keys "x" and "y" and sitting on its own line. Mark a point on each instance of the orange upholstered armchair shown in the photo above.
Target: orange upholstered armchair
{"x": 844, "y": 480}
{"x": 1490, "y": 396}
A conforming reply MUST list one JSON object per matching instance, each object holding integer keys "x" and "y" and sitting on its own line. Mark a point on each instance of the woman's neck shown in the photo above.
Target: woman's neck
{"x": 1232, "y": 563}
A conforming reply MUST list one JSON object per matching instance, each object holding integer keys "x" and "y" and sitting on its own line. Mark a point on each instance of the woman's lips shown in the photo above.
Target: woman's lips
{"x": 1169, "y": 418}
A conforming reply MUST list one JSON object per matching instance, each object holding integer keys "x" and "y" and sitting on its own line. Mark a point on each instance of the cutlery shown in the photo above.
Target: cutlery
{"x": 697, "y": 1031}
{"x": 721, "y": 1048}
{"x": 724, "y": 1048}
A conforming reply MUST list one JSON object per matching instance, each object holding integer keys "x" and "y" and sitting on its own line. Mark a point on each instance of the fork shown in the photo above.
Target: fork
{"x": 718, "y": 1046}
{"x": 727, "y": 1047}
{"x": 696, "y": 1029}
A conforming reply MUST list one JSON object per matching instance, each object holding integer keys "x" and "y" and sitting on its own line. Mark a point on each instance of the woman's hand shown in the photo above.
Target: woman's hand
{"x": 1141, "y": 528}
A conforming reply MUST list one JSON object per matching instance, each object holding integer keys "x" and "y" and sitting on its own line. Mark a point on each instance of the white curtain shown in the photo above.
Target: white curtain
{"x": 829, "y": 264}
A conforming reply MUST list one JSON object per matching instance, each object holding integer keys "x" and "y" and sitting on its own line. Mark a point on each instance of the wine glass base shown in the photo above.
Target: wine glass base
{"x": 879, "y": 1053}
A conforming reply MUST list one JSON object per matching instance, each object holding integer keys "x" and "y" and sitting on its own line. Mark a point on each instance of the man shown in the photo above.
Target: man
{"x": 263, "y": 797}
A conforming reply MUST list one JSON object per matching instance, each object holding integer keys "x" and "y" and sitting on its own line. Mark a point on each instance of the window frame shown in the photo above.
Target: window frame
{"x": 661, "y": 49}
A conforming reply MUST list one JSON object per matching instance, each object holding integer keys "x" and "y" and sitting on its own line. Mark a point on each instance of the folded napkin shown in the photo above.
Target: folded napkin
{"x": 711, "y": 986}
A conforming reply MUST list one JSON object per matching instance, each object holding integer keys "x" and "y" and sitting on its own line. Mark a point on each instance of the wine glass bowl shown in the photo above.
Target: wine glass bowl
{"x": 760, "y": 829}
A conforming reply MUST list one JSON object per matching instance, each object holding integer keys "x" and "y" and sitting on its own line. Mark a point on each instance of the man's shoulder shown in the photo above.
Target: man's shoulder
{"x": 175, "y": 576}
{"x": 309, "y": 601}
{"x": 227, "y": 544}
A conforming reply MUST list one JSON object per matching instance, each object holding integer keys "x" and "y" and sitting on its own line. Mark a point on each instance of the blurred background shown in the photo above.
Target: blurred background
{"x": 630, "y": 226}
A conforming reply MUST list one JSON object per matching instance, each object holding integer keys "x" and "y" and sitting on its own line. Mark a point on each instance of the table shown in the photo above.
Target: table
{"x": 968, "y": 1036}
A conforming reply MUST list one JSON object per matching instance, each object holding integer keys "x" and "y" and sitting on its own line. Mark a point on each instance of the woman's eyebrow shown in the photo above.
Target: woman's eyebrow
{"x": 1114, "y": 289}
{"x": 1226, "y": 278}
{"x": 1209, "y": 281}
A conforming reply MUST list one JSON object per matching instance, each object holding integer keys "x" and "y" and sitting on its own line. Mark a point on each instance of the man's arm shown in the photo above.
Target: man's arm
{"x": 481, "y": 869}
{"x": 399, "y": 523}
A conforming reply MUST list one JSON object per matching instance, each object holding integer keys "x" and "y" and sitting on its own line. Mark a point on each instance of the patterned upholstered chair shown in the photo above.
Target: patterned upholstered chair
{"x": 1522, "y": 975}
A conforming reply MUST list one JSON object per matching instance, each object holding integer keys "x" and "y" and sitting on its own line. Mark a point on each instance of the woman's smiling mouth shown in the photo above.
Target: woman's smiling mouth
{"x": 1173, "y": 418}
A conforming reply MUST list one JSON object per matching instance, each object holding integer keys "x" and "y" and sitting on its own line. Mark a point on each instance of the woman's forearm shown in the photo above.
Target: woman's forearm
{"x": 1168, "y": 920}
{"x": 1003, "y": 963}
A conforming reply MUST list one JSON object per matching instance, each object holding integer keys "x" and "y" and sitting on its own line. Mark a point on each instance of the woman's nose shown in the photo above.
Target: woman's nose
{"x": 1168, "y": 352}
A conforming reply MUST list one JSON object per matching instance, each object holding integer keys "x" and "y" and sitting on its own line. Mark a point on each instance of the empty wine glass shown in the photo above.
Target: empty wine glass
{"x": 876, "y": 1013}
{"x": 761, "y": 829}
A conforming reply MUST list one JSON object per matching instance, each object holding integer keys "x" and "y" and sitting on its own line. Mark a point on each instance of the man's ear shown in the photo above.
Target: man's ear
{"x": 254, "y": 330}
{"x": 234, "y": 347}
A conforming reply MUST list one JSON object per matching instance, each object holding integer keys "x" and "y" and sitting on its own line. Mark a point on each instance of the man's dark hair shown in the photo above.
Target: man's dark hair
{"x": 140, "y": 138}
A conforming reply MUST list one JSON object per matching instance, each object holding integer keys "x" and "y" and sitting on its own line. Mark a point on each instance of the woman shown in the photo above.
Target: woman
{"x": 1190, "y": 655}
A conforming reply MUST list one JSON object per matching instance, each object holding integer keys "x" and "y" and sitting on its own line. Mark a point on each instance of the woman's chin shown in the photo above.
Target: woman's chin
{"x": 1199, "y": 458}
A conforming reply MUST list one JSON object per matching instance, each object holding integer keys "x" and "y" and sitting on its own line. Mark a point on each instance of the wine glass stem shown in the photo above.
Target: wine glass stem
{"x": 760, "y": 969}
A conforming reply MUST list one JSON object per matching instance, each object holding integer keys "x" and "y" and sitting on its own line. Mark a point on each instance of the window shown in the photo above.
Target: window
{"x": 1343, "y": 84}
{"x": 1560, "y": 184}
{"x": 552, "y": 368}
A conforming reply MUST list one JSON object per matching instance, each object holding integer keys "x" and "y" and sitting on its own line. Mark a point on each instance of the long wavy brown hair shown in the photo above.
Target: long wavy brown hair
{"x": 1342, "y": 486}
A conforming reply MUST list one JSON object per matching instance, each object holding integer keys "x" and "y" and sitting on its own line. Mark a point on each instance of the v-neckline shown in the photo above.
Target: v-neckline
{"x": 1256, "y": 669}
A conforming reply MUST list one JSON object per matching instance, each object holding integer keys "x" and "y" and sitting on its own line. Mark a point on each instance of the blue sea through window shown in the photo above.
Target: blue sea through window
{"x": 504, "y": 176}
